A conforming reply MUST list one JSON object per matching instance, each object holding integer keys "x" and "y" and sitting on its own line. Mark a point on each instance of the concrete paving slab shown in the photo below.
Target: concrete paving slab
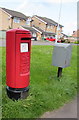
{"x": 67, "y": 111}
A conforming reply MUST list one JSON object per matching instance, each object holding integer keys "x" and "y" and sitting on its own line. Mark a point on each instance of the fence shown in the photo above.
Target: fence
{"x": 2, "y": 34}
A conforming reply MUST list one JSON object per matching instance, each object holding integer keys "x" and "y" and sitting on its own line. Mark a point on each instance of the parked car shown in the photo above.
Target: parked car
{"x": 59, "y": 41}
{"x": 50, "y": 38}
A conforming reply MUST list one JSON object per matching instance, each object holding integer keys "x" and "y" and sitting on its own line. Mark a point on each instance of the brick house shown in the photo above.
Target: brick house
{"x": 11, "y": 19}
{"x": 33, "y": 31}
{"x": 37, "y": 33}
{"x": 47, "y": 26}
{"x": 75, "y": 34}
{"x": 39, "y": 26}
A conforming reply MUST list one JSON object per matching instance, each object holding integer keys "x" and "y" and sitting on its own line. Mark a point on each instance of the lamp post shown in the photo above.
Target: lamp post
{"x": 57, "y": 32}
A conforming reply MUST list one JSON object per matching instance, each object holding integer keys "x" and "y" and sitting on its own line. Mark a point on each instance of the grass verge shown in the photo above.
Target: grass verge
{"x": 47, "y": 92}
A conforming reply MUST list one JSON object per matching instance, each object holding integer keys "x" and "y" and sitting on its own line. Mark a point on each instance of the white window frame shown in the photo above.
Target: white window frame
{"x": 16, "y": 20}
{"x": 34, "y": 34}
{"x": 28, "y": 21}
{"x": 48, "y": 26}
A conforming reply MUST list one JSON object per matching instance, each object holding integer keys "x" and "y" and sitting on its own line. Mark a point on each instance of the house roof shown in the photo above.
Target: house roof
{"x": 43, "y": 32}
{"x": 29, "y": 28}
{"x": 37, "y": 29}
{"x": 64, "y": 34}
{"x": 48, "y": 21}
{"x": 15, "y": 14}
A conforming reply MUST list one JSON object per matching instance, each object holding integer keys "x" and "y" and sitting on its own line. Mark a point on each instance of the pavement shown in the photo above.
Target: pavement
{"x": 67, "y": 111}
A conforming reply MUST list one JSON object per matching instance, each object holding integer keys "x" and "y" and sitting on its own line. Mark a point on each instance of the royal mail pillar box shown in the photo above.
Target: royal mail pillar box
{"x": 61, "y": 55}
{"x": 18, "y": 46}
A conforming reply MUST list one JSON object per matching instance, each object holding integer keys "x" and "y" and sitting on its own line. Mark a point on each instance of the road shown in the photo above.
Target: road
{"x": 3, "y": 43}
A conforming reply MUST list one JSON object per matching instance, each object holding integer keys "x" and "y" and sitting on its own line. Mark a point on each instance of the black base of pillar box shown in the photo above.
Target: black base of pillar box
{"x": 17, "y": 93}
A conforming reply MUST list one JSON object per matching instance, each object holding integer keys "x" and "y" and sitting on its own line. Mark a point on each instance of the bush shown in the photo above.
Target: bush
{"x": 67, "y": 41}
{"x": 76, "y": 42}
{"x": 62, "y": 41}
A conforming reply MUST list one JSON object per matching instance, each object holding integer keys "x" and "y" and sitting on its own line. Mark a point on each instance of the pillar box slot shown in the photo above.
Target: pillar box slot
{"x": 25, "y": 38}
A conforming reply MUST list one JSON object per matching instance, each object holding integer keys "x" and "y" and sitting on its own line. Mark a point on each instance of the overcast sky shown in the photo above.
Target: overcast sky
{"x": 47, "y": 8}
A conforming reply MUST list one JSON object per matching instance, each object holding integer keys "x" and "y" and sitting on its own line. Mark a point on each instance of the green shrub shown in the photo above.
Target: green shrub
{"x": 67, "y": 41}
{"x": 76, "y": 42}
{"x": 63, "y": 41}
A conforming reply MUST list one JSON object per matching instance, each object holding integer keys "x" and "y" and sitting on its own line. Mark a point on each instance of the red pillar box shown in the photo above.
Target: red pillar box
{"x": 18, "y": 46}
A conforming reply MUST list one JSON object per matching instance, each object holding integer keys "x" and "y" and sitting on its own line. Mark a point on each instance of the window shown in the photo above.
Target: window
{"x": 53, "y": 26}
{"x": 34, "y": 34}
{"x": 48, "y": 26}
{"x": 16, "y": 20}
{"x": 28, "y": 21}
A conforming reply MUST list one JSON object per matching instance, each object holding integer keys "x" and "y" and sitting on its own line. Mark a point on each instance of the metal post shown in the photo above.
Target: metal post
{"x": 59, "y": 74}
{"x": 57, "y": 33}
